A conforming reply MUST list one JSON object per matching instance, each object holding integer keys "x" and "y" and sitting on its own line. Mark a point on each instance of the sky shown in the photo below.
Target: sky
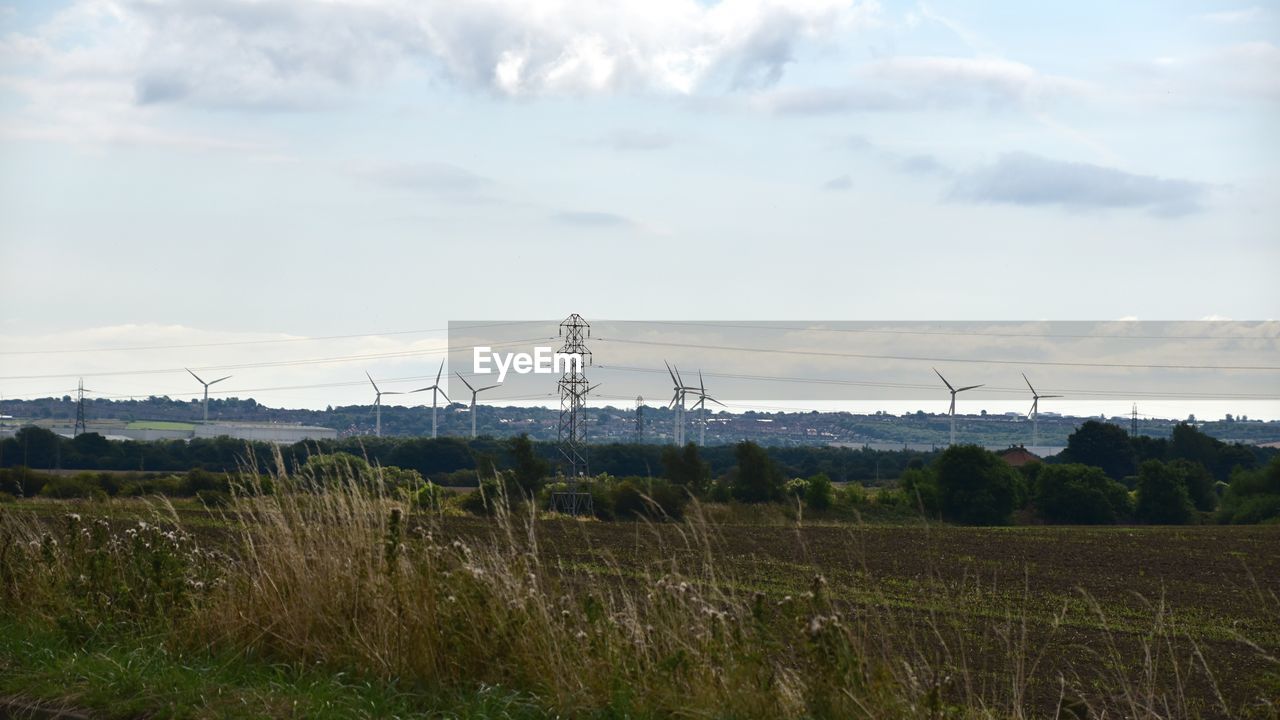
{"x": 219, "y": 172}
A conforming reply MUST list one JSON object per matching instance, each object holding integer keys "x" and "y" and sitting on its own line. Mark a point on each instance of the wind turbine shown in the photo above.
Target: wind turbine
{"x": 435, "y": 390}
{"x": 701, "y": 407}
{"x": 206, "y": 390}
{"x": 952, "y": 411}
{"x": 474, "y": 393}
{"x": 377, "y": 403}
{"x": 677, "y": 402}
{"x": 1034, "y": 414}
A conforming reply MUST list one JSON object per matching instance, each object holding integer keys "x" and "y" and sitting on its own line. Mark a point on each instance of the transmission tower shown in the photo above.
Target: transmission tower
{"x": 1133, "y": 422}
{"x": 639, "y": 418}
{"x": 573, "y": 400}
{"x": 80, "y": 426}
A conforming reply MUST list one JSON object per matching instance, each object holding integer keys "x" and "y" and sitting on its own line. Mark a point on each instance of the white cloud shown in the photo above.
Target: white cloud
{"x": 1231, "y": 17}
{"x": 1225, "y": 75}
{"x": 281, "y": 54}
{"x": 1026, "y": 179}
{"x": 928, "y": 83}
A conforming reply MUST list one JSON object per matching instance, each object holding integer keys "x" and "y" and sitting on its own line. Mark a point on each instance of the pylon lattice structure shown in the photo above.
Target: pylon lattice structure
{"x": 571, "y": 434}
{"x": 639, "y": 419}
{"x": 80, "y": 424}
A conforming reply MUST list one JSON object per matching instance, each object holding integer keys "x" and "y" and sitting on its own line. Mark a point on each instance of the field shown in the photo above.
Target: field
{"x": 818, "y": 620}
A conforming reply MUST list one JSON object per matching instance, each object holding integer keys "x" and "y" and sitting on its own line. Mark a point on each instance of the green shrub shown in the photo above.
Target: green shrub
{"x": 214, "y": 498}
{"x": 628, "y": 501}
{"x": 76, "y": 486}
{"x": 819, "y": 493}
{"x": 1253, "y": 496}
{"x": 7, "y": 497}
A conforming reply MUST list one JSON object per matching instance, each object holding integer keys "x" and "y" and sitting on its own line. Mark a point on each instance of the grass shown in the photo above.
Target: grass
{"x": 139, "y": 677}
{"x": 332, "y": 595}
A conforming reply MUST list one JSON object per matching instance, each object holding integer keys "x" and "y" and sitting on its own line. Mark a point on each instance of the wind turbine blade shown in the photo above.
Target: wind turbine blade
{"x": 219, "y": 380}
{"x": 446, "y": 397}
{"x": 439, "y": 371}
{"x": 464, "y": 381}
{"x": 371, "y": 382}
{"x": 968, "y": 388}
{"x": 701, "y": 385}
{"x": 1024, "y": 377}
{"x": 716, "y": 401}
{"x": 197, "y": 377}
{"x": 417, "y": 391}
{"x": 672, "y": 374}
{"x": 953, "y": 404}
{"x": 944, "y": 380}
{"x": 1032, "y": 411}
{"x": 487, "y": 387}
{"x": 392, "y": 392}
{"x": 1049, "y": 396}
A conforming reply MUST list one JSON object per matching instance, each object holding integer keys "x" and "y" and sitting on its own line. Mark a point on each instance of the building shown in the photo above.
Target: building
{"x": 1018, "y": 456}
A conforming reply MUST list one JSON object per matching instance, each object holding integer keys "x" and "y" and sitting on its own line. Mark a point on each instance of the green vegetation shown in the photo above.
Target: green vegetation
{"x": 332, "y": 592}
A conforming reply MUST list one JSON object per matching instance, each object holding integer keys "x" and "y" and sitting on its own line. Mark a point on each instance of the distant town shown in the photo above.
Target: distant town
{"x": 164, "y": 418}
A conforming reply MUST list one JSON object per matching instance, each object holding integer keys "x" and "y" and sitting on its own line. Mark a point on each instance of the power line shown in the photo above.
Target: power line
{"x": 922, "y": 386}
{"x": 278, "y": 363}
{"x": 230, "y": 343}
{"x": 960, "y": 333}
{"x": 913, "y": 358}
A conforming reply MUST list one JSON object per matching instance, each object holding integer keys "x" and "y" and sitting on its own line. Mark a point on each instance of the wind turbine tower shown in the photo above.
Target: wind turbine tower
{"x": 474, "y": 393}
{"x": 701, "y": 407}
{"x": 436, "y": 390}
{"x": 206, "y": 390}
{"x": 952, "y": 411}
{"x": 377, "y": 404}
{"x": 677, "y": 402}
{"x": 1034, "y": 414}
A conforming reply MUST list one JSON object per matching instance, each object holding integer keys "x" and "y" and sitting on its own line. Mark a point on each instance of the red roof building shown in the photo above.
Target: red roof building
{"x": 1018, "y": 456}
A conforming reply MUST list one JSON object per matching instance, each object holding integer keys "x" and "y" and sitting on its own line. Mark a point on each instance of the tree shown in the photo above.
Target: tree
{"x": 1198, "y": 482}
{"x": 1162, "y": 495}
{"x": 819, "y": 492}
{"x": 758, "y": 479}
{"x": 1101, "y": 445}
{"x": 686, "y": 467}
{"x": 1253, "y": 496}
{"x": 530, "y": 469}
{"x": 976, "y": 487}
{"x": 36, "y": 447}
{"x": 1080, "y": 495}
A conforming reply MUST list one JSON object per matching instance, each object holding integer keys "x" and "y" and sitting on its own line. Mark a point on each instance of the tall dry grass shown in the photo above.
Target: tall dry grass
{"x": 334, "y": 571}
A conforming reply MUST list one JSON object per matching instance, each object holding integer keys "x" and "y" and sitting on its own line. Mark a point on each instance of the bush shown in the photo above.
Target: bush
{"x": 66, "y": 488}
{"x": 628, "y": 501}
{"x": 214, "y": 498}
{"x": 1253, "y": 496}
{"x": 7, "y": 497}
{"x": 917, "y": 489}
{"x": 819, "y": 492}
